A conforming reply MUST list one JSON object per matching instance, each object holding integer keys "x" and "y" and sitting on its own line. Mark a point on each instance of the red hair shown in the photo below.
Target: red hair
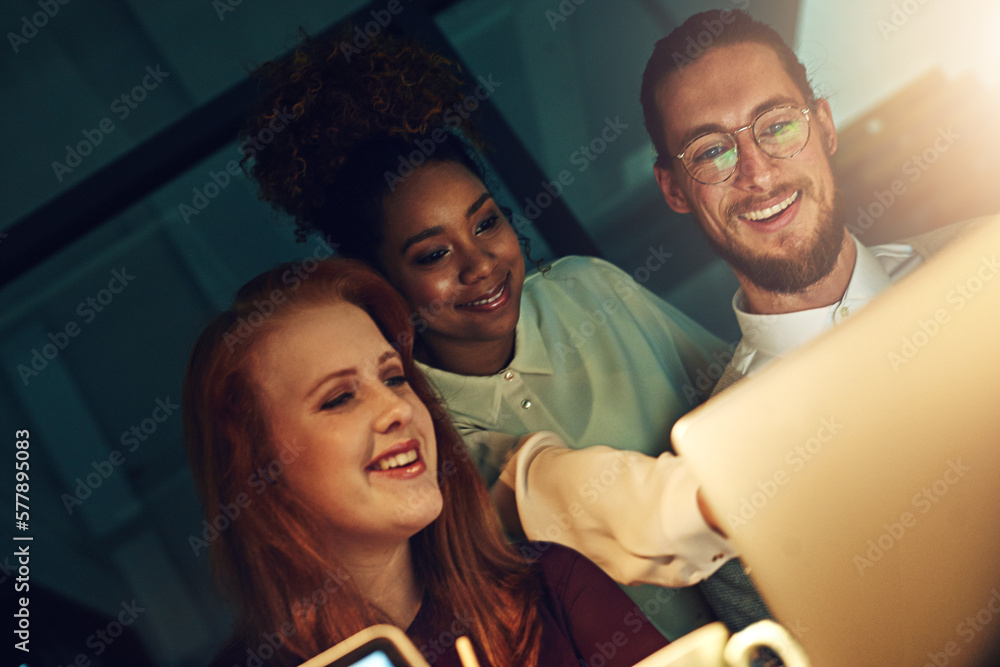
{"x": 268, "y": 558}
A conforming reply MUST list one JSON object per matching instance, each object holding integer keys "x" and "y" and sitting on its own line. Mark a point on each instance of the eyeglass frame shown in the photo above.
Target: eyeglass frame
{"x": 803, "y": 110}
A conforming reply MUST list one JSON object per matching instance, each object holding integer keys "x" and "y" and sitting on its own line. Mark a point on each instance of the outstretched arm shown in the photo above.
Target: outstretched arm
{"x": 639, "y": 518}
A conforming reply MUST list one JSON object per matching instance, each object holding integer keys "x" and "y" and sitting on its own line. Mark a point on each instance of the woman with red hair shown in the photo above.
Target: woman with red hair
{"x": 360, "y": 502}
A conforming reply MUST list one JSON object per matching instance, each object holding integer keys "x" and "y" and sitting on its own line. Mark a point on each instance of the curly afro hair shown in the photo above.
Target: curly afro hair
{"x": 355, "y": 117}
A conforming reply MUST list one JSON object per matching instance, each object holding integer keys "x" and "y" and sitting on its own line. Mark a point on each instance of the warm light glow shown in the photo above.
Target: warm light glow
{"x": 858, "y": 52}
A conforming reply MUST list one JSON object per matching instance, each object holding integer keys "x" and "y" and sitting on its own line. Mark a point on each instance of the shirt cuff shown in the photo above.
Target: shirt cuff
{"x": 628, "y": 528}
{"x": 684, "y": 526}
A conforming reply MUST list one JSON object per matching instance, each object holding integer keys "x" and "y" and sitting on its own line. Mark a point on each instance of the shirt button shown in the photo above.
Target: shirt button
{"x": 509, "y": 375}
{"x": 845, "y": 311}
{"x": 526, "y": 404}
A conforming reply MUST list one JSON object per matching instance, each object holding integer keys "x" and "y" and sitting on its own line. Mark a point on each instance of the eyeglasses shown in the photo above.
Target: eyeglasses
{"x": 781, "y": 132}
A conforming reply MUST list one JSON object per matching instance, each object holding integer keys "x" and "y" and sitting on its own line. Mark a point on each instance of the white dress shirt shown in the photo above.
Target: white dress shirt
{"x": 767, "y": 337}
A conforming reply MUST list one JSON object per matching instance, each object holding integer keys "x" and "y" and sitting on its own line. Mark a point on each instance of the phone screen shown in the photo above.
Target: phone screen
{"x": 376, "y": 659}
{"x": 378, "y": 652}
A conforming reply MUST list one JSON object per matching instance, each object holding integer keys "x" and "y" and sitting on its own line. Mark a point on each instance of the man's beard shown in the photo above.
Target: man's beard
{"x": 792, "y": 274}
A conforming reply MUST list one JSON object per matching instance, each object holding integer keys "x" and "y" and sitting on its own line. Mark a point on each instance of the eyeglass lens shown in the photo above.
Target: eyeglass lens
{"x": 781, "y": 133}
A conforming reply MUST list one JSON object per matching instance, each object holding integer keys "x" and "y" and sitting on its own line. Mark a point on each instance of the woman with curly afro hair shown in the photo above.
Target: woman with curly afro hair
{"x": 384, "y": 159}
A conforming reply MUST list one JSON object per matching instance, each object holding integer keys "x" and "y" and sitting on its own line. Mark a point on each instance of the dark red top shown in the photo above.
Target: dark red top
{"x": 587, "y": 620}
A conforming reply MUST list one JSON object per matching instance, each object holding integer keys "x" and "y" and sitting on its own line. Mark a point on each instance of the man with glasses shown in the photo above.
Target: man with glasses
{"x": 744, "y": 145}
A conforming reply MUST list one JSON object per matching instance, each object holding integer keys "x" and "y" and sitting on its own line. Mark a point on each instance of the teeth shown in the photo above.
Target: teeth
{"x": 483, "y": 302}
{"x": 774, "y": 210}
{"x": 397, "y": 461}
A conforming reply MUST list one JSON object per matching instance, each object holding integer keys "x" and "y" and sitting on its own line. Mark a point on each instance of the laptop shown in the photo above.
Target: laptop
{"x": 860, "y": 476}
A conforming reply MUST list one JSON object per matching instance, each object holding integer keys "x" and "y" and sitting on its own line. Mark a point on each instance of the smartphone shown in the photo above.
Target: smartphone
{"x": 377, "y": 646}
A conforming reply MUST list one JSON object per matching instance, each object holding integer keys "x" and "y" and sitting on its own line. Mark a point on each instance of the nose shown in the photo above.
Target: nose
{"x": 756, "y": 170}
{"x": 478, "y": 263}
{"x": 393, "y": 411}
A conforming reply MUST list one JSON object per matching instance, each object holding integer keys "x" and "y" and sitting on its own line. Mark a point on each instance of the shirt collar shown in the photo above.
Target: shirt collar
{"x": 531, "y": 356}
{"x": 774, "y": 335}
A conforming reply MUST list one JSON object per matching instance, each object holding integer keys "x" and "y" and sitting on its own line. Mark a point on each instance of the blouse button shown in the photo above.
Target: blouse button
{"x": 526, "y": 404}
{"x": 509, "y": 375}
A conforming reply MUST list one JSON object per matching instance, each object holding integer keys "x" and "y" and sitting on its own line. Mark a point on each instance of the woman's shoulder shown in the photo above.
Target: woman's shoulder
{"x": 548, "y": 553}
{"x": 573, "y": 264}
{"x": 576, "y": 273}
{"x": 556, "y": 563}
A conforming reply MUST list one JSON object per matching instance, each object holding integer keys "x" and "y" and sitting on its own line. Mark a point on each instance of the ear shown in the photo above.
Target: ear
{"x": 824, "y": 122}
{"x": 671, "y": 189}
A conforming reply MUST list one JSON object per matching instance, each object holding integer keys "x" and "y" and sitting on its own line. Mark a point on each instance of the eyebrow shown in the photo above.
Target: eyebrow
{"x": 708, "y": 128}
{"x": 438, "y": 229}
{"x": 476, "y": 205}
{"x": 385, "y": 356}
{"x": 420, "y": 236}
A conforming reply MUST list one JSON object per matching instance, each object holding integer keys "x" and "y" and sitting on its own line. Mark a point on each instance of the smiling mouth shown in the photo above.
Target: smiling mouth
{"x": 491, "y": 297}
{"x": 396, "y": 459}
{"x": 764, "y": 214}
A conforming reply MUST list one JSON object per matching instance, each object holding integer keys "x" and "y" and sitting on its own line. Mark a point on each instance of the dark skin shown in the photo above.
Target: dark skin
{"x": 455, "y": 258}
